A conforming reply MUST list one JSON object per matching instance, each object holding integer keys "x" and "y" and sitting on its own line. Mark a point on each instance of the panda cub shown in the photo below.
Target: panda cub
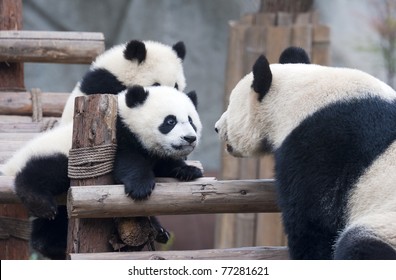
{"x": 333, "y": 133}
{"x": 157, "y": 127}
{"x": 145, "y": 63}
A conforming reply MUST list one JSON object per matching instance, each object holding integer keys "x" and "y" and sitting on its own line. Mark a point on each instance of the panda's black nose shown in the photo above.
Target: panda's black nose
{"x": 190, "y": 139}
{"x": 217, "y": 131}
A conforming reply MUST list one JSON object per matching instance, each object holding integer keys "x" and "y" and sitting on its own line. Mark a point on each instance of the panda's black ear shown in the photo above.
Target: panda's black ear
{"x": 135, "y": 50}
{"x": 180, "y": 49}
{"x": 262, "y": 77}
{"x": 194, "y": 98}
{"x": 294, "y": 55}
{"x": 135, "y": 96}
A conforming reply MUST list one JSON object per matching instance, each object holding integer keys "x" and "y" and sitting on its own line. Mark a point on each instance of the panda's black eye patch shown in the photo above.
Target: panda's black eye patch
{"x": 192, "y": 123}
{"x": 168, "y": 124}
{"x": 176, "y": 86}
{"x": 156, "y": 85}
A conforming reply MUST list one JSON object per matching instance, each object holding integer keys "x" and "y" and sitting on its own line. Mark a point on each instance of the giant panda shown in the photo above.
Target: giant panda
{"x": 333, "y": 134}
{"x": 157, "y": 127}
{"x": 145, "y": 63}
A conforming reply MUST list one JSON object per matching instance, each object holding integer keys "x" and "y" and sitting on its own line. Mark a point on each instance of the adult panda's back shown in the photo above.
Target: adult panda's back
{"x": 340, "y": 143}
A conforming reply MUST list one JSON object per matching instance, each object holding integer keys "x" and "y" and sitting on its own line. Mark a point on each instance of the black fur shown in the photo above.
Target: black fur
{"x": 135, "y": 96}
{"x": 317, "y": 165}
{"x": 101, "y": 81}
{"x": 135, "y": 50}
{"x": 180, "y": 49}
{"x": 294, "y": 55}
{"x": 49, "y": 237}
{"x": 262, "y": 77}
{"x": 194, "y": 99}
{"x": 39, "y": 181}
{"x": 360, "y": 243}
{"x": 168, "y": 124}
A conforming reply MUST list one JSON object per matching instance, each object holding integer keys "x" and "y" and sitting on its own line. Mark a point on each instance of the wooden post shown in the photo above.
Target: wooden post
{"x": 94, "y": 124}
{"x": 11, "y": 78}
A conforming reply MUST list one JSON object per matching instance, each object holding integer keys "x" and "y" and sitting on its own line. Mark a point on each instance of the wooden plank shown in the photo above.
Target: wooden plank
{"x": 321, "y": 45}
{"x": 302, "y": 37}
{"x": 279, "y": 36}
{"x": 50, "y": 47}
{"x": 245, "y": 253}
{"x": 239, "y": 196}
{"x": 20, "y": 103}
{"x": 12, "y": 78}
{"x": 20, "y": 124}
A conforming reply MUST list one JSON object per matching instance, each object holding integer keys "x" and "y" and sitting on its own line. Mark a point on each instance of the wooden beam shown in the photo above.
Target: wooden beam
{"x": 20, "y": 103}
{"x": 50, "y": 47}
{"x": 94, "y": 125}
{"x": 243, "y": 253}
{"x": 239, "y": 196}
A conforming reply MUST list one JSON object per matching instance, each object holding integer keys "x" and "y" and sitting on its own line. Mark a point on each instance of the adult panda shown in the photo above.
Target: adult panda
{"x": 333, "y": 133}
{"x": 145, "y": 63}
{"x": 157, "y": 127}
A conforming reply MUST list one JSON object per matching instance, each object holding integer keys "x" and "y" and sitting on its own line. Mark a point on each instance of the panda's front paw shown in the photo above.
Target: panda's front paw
{"x": 139, "y": 189}
{"x": 187, "y": 173}
{"x": 42, "y": 206}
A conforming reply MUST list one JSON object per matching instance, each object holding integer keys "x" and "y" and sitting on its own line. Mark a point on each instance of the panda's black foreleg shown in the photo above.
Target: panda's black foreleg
{"x": 49, "y": 237}
{"x": 177, "y": 169}
{"x": 135, "y": 172}
{"x": 40, "y": 181}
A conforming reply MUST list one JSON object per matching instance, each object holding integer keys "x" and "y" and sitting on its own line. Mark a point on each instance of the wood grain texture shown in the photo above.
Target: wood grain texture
{"x": 94, "y": 124}
{"x": 50, "y": 47}
{"x": 243, "y": 253}
{"x": 241, "y": 196}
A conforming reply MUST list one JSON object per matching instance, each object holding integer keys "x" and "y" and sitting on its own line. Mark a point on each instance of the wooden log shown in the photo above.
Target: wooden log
{"x": 240, "y": 196}
{"x": 50, "y": 47}
{"x": 94, "y": 124}
{"x": 244, "y": 253}
{"x": 20, "y": 103}
{"x": 20, "y": 124}
{"x": 12, "y": 78}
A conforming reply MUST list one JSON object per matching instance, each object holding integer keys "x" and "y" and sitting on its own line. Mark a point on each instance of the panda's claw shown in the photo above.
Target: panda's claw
{"x": 188, "y": 173}
{"x": 41, "y": 206}
{"x": 140, "y": 190}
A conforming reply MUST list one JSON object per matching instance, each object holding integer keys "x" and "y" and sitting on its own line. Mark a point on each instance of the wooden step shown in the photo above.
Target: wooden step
{"x": 202, "y": 196}
{"x": 20, "y": 103}
{"x": 50, "y": 47}
{"x": 243, "y": 253}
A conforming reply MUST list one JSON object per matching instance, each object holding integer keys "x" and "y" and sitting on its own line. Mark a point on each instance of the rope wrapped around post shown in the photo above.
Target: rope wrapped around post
{"x": 81, "y": 159}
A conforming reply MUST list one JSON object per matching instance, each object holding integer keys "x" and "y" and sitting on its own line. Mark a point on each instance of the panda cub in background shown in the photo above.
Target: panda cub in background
{"x": 333, "y": 133}
{"x": 157, "y": 127}
{"x": 144, "y": 63}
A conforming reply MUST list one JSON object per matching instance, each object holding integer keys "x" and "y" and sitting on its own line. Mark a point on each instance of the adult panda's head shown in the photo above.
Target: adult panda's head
{"x": 272, "y": 100}
{"x": 164, "y": 120}
{"x": 145, "y": 63}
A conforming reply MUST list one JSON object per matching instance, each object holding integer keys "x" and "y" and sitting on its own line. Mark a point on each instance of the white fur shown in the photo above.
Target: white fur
{"x": 162, "y": 65}
{"x": 146, "y": 119}
{"x": 57, "y": 140}
{"x": 372, "y": 202}
{"x": 284, "y": 107}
